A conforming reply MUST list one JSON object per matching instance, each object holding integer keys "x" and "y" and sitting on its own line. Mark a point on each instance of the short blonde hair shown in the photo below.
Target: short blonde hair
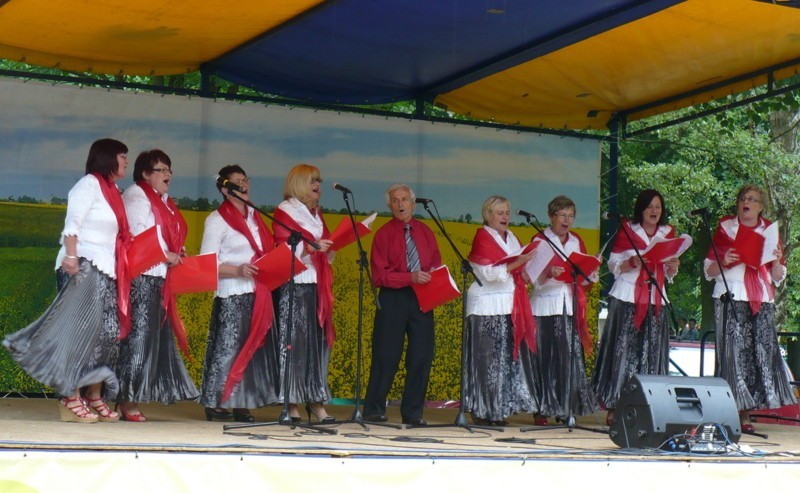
{"x": 394, "y": 188}
{"x": 298, "y": 182}
{"x": 752, "y": 188}
{"x": 489, "y": 204}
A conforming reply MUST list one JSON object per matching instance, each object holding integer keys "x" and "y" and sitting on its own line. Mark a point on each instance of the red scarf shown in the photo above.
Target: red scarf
{"x": 322, "y": 266}
{"x": 580, "y": 317}
{"x": 173, "y": 228}
{"x": 752, "y": 277}
{"x": 114, "y": 199}
{"x": 486, "y": 251}
{"x": 624, "y": 242}
{"x": 263, "y": 312}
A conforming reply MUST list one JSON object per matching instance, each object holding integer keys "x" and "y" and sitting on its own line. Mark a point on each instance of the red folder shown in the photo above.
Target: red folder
{"x": 586, "y": 263}
{"x": 514, "y": 256}
{"x": 662, "y": 249}
{"x": 194, "y": 274}
{"x": 344, "y": 234}
{"x": 273, "y": 268}
{"x": 145, "y": 252}
{"x": 749, "y": 244}
{"x": 441, "y": 289}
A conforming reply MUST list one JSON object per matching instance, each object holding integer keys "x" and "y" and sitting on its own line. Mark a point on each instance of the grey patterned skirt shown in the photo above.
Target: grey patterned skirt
{"x": 74, "y": 343}
{"x": 749, "y": 358}
{"x": 495, "y": 386}
{"x": 308, "y": 372}
{"x": 626, "y": 351}
{"x": 230, "y": 325}
{"x": 150, "y": 367}
{"x": 564, "y": 389}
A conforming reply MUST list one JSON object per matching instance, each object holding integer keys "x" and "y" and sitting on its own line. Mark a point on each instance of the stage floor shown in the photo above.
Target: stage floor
{"x": 33, "y": 424}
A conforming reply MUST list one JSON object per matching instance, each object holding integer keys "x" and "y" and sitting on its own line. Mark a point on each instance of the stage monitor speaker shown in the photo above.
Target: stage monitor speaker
{"x": 653, "y": 408}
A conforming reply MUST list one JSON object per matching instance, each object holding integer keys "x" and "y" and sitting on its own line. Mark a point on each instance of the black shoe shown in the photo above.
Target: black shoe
{"x": 415, "y": 422}
{"x": 482, "y": 421}
{"x": 217, "y": 414}
{"x": 243, "y": 416}
{"x": 376, "y": 418}
{"x": 327, "y": 419}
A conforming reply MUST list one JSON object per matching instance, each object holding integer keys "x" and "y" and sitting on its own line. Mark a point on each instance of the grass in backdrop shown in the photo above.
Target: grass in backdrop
{"x": 28, "y": 286}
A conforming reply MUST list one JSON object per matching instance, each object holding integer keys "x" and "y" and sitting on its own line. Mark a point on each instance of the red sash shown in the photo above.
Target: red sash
{"x": 580, "y": 317}
{"x": 322, "y": 266}
{"x": 752, "y": 277}
{"x": 486, "y": 251}
{"x": 114, "y": 199}
{"x": 173, "y": 228}
{"x": 263, "y": 312}
{"x": 641, "y": 295}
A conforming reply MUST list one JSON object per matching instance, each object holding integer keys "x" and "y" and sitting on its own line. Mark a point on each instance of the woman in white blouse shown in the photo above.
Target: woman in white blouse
{"x": 312, "y": 304}
{"x": 241, "y": 363}
{"x": 73, "y": 346}
{"x": 149, "y": 367}
{"x": 561, "y": 333}
{"x": 499, "y": 322}
{"x": 635, "y": 339}
{"x": 748, "y": 354}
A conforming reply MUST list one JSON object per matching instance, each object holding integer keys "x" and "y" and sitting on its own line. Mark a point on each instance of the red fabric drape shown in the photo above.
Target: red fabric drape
{"x": 263, "y": 312}
{"x": 752, "y": 277}
{"x": 624, "y": 242}
{"x": 114, "y": 198}
{"x": 173, "y": 228}
{"x": 580, "y": 316}
{"x": 321, "y": 265}
{"x": 486, "y": 251}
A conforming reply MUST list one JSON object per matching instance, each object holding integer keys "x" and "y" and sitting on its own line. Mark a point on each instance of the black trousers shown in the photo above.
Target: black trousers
{"x": 398, "y": 318}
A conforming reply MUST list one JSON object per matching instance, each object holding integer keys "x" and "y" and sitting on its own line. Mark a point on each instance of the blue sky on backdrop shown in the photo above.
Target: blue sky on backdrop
{"x": 46, "y": 131}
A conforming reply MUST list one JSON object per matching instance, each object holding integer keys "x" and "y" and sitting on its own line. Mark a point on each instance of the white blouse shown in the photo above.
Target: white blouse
{"x": 140, "y": 218}
{"x": 232, "y": 248}
{"x": 735, "y": 275}
{"x": 496, "y": 296}
{"x": 552, "y": 296}
{"x": 624, "y": 286}
{"x": 311, "y": 223}
{"x": 92, "y": 221}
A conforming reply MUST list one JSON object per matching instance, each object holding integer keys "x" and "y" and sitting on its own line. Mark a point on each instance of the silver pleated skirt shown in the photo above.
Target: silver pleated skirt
{"x": 74, "y": 343}
{"x": 626, "y": 351}
{"x": 564, "y": 389}
{"x": 230, "y": 325}
{"x": 309, "y": 355}
{"x": 495, "y": 386}
{"x": 749, "y": 357}
{"x": 150, "y": 367}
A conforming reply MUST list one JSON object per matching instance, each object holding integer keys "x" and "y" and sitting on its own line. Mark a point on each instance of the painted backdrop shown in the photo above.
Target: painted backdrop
{"x": 46, "y": 130}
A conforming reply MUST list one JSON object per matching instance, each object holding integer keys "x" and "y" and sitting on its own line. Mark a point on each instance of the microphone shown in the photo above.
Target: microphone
{"x": 697, "y": 212}
{"x": 420, "y": 200}
{"x": 225, "y": 183}
{"x": 610, "y": 215}
{"x": 526, "y": 215}
{"x": 341, "y": 188}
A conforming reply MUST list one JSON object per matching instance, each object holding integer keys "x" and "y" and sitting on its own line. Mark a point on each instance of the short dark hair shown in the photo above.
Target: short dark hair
{"x": 147, "y": 160}
{"x": 643, "y": 201}
{"x": 102, "y": 157}
{"x": 225, "y": 173}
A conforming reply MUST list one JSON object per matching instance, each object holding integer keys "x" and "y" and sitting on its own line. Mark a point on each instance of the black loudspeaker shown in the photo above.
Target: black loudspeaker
{"x": 653, "y": 408}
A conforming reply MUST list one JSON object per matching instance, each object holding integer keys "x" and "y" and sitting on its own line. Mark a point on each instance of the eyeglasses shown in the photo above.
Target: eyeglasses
{"x": 565, "y": 216}
{"x": 752, "y": 200}
{"x": 163, "y": 170}
{"x": 241, "y": 181}
{"x": 316, "y": 180}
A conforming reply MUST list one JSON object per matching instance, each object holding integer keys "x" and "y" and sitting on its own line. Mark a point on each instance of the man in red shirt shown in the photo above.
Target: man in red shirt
{"x": 404, "y": 251}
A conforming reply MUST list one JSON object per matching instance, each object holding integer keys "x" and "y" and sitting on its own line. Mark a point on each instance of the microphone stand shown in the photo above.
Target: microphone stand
{"x": 461, "y": 419}
{"x": 570, "y": 422}
{"x": 284, "y": 418}
{"x": 357, "y": 416}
